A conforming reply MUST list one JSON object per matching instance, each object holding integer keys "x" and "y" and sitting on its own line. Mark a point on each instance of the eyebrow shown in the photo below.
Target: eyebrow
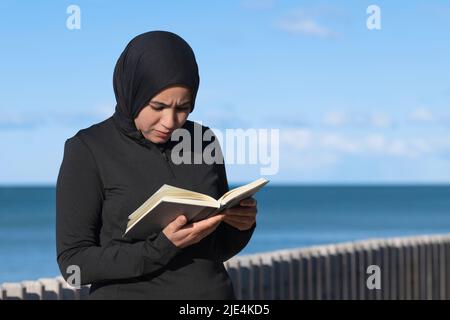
{"x": 165, "y": 105}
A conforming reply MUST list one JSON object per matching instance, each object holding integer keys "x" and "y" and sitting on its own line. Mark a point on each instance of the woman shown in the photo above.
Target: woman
{"x": 112, "y": 167}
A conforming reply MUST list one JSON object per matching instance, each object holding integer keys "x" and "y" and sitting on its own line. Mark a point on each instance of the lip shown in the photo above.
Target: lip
{"x": 162, "y": 134}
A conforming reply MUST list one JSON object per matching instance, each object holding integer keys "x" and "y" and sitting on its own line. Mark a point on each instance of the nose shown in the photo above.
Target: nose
{"x": 168, "y": 119}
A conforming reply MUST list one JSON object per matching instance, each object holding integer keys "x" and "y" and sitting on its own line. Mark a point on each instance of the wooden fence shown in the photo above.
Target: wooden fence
{"x": 415, "y": 268}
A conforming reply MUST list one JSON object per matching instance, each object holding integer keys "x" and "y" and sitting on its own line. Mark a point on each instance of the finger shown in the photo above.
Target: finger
{"x": 242, "y": 214}
{"x": 207, "y": 223}
{"x": 241, "y": 211}
{"x": 215, "y": 219}
{"x": 201, "y": 231}
{"x": 239, "y": 225}
{"x": 207, "y": 232}
{"x": 248, "y": 202}
{"x": 178, "y": 223}
{"x": 192, "y": 230}
{"x": 239, "y": 219}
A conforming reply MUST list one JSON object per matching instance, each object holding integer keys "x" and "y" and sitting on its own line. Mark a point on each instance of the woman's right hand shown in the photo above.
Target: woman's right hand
{"x": 183, "y": 235}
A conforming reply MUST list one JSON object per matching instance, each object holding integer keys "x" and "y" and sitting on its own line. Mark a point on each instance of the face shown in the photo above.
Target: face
{"x": 166, "y": 112}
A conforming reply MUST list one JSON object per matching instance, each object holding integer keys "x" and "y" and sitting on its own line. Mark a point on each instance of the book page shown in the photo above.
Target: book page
{"x": 161, "y": 215}
{"x": 172, "y": 194}
{"x": 234, "y": 196}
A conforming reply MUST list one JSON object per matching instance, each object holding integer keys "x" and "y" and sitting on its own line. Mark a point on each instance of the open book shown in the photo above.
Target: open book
{"x": 169, "y": 202}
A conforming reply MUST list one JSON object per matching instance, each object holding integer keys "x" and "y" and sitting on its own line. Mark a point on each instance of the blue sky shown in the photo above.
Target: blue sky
{"x": 353, "y": 105}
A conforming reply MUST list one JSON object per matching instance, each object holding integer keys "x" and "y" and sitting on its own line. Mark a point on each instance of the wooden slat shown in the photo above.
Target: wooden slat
{"x": 309, "y": 277}
{"x": 51, "y": 289}
{"x": 328, "y": 256}
{"x": 33, "y": 290}
{"x": 435, "y": 269}
{"x": 12, "y": 291}
{"x": 393, "y": 270}
{"x": 423, "y": 270}
{"x": 336, "y": 273}
{"x": 443, "y": 272}
{"x": 375, "y": 258}
{"x": 238, "y": 280}
{"x": 292, "y": 266}
{"x": 301, "y": 276}
{"x": 385, "y": 270}
{"x": 317, "y": 275}
{"x": 251, "y": 283}
{"x": 68, "y": 292}
{"x": 401, "y": 270}
{"x": 353, "y": 294}
{"x": 429, "y": 268}
{"x": 268, "y": 291}
{"x": 408, "y": 270}
{"x": 346, "y": 273}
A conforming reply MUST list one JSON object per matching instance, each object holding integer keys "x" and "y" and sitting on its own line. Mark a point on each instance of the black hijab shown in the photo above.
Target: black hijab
{"x": 151, "y": 62}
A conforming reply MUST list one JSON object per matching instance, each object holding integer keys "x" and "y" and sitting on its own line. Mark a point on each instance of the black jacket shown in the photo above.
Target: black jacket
{"x": 104, "y": 176}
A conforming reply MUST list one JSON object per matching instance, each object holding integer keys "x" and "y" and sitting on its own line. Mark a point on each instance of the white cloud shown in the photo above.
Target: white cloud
{"x": 304, "y": 141}
{"x": 339, "y": 143}
{"x": 369, "y": 119}
{"x": 296, "y": 138}
{"x": 422, "y": 115}
{"x": 343, "y": 118}
{"x": 103, "y": 111}
{"x": 12, "y": 119}
{"x": 304, "y": 23}
{"x": 305, "y": 26}
{"x": 398, "y": 147}
{"x": 381, "y": 120}
{"x": 318, "y": 155}
{"x": 27, "y": 120}
{"x": 423, "y": 146}
{"x": 335, "y": 118}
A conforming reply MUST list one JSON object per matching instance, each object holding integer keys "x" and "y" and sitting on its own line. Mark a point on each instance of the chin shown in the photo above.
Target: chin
{"x": 159, "y": 140}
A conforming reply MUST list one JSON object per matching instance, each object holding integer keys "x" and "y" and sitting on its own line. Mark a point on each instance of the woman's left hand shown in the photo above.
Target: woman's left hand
{"x": 242, "y": 216}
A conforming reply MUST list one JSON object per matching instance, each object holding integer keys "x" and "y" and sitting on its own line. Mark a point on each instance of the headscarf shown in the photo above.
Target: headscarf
{"x": 151, "y": 62}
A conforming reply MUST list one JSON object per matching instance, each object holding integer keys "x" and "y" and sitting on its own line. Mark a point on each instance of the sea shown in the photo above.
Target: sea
{"x": 288, "y": 217}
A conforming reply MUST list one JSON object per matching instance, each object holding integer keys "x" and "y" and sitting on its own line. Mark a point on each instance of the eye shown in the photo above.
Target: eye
{"x": 156, "y": 107}
{"x": 184, "y": 107}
